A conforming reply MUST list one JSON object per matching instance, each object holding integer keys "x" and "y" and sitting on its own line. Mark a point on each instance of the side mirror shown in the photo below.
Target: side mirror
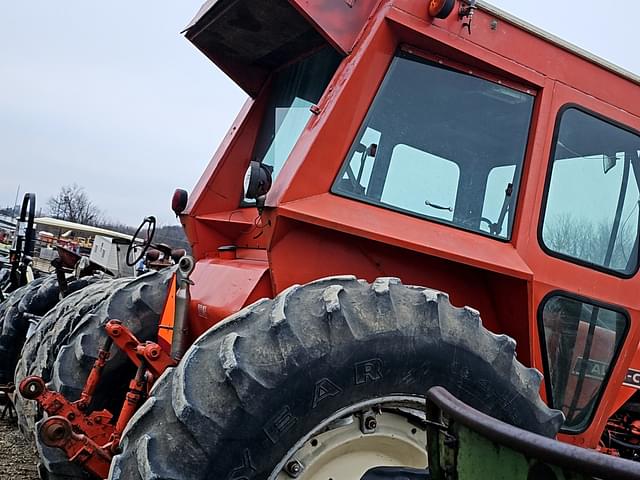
{"x": 257, "y": 182}
{"x": 179, "y": 201}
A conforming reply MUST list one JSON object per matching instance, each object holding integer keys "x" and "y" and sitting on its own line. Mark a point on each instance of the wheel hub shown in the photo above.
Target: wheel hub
{"x": 354, "y": 443}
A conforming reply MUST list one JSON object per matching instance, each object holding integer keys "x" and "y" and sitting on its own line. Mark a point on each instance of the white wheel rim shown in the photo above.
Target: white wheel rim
{"x": 337, "y": 449}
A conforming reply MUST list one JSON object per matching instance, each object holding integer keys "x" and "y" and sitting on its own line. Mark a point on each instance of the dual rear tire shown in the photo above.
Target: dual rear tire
{"x": 327, "y": 376}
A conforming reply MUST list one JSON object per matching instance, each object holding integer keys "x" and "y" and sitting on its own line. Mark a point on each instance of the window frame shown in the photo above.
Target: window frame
{"x": 547, "y": 186}
{"x": 521, "y": 170}
{"x": 545, "y": 357}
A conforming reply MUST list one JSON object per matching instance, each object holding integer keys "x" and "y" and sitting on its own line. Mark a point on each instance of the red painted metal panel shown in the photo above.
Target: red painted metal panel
{"x": 497, "y": 37}
{"x": 306, "y": 251}
{"x": 223, "y": 287}
{"x": 339, "y": 21}
{"x": 415, "y": 234}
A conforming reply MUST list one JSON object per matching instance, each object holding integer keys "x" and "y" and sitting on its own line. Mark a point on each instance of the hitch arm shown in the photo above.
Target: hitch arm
{"x": 135, "y": 396}
{"x": 58, "y": 432}
{"x": 95, "y": 424}
{"x": 156, "y": 360}
{"x": 94, "y": 376}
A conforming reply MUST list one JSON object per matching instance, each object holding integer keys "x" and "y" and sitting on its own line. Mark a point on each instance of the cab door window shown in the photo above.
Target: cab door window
{"x": 591, "y": 212}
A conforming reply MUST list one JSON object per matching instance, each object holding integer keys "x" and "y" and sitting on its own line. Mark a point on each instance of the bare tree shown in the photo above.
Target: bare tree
{"x": 588, "y": 240}
{"x": 72, "y": 204}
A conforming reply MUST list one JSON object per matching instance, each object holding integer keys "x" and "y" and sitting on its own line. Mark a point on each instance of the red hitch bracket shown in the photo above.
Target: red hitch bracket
{"x": 71, "y": 429}
{"x": 156, "y": 360}
{"x": 96, "y": 425}
{"x": 58, "y": 432}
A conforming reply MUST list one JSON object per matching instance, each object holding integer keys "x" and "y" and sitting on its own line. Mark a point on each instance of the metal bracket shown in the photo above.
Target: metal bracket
{"x": 368, "y": 422}
{"x": 151, "y": 354}
{"x": 91, "y": 439}
{"x": 79, "y": 434}
{"x": 499, "y": 450}
{"x": 58, "y": 432}
{"x": 54, "y": 403}
{"x": 467, "y": 10}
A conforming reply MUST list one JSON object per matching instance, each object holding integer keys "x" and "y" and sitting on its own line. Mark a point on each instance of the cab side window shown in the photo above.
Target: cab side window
{"x": 580, "y": 341}
{"x": 591, "y": 212}
{"x": 443, "y": 145}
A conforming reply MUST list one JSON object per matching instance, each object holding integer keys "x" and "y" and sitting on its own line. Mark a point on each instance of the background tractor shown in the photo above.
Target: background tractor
{"x": 390, "y": 151}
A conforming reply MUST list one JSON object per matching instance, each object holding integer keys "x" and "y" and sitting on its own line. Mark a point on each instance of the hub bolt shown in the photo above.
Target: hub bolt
{"x": 370, "y": 423}
{"x": 294, "y": 468}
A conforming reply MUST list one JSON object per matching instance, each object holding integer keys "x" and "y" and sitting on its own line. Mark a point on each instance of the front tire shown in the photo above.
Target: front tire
{"x": 250, "y": 390}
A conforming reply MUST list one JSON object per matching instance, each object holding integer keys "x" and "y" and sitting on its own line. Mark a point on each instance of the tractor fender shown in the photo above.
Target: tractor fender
{"x": 222, "y": 287}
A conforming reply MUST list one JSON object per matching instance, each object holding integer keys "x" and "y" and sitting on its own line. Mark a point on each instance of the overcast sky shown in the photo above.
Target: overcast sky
{"x": 108, "y": 94}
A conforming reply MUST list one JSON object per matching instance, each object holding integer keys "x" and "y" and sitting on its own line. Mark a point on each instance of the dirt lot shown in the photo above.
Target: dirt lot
{"x": 17, "y": 457}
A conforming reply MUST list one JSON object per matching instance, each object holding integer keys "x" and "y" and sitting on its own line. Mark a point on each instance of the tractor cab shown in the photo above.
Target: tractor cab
{"x": 435, "y": 142}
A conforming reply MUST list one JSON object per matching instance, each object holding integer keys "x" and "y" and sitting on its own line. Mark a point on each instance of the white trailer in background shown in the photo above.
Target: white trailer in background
{"x": 111, "y": 254}
{"x": 108, "y": 248}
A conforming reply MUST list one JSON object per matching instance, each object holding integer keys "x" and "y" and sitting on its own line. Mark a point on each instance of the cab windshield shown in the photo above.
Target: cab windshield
{"x": 294, "y": 90}
{"x": 443, "y": 145}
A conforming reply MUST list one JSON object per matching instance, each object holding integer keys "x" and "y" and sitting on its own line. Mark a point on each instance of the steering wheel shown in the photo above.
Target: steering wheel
{"x": 474, "y": 221}
{"x": 150, "y": 224}
{"x": 486, "y": 220}
{"x": 494, "y": 229}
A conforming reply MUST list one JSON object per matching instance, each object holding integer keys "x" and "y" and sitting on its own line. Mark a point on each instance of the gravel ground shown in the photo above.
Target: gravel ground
{"x": 18, "y": 459}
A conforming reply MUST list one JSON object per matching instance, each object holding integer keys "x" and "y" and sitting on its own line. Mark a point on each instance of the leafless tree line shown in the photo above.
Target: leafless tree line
{"x": 72, "y": 203}
{"x": 589, "y": 240}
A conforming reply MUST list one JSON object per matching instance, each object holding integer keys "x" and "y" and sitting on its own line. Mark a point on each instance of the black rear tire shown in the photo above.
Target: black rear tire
{"x": 5, "y": 273}
{"x": 20, "y": 309}
{"x": 9, "y": 312}
{"x": 257, "y": 383}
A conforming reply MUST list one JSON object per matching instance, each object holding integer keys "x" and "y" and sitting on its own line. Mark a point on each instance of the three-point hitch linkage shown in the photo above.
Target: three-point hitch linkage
{"x": 91, "y": 438}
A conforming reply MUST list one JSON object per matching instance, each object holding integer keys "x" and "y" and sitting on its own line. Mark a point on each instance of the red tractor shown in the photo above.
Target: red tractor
{"x": 390, "y": 151}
